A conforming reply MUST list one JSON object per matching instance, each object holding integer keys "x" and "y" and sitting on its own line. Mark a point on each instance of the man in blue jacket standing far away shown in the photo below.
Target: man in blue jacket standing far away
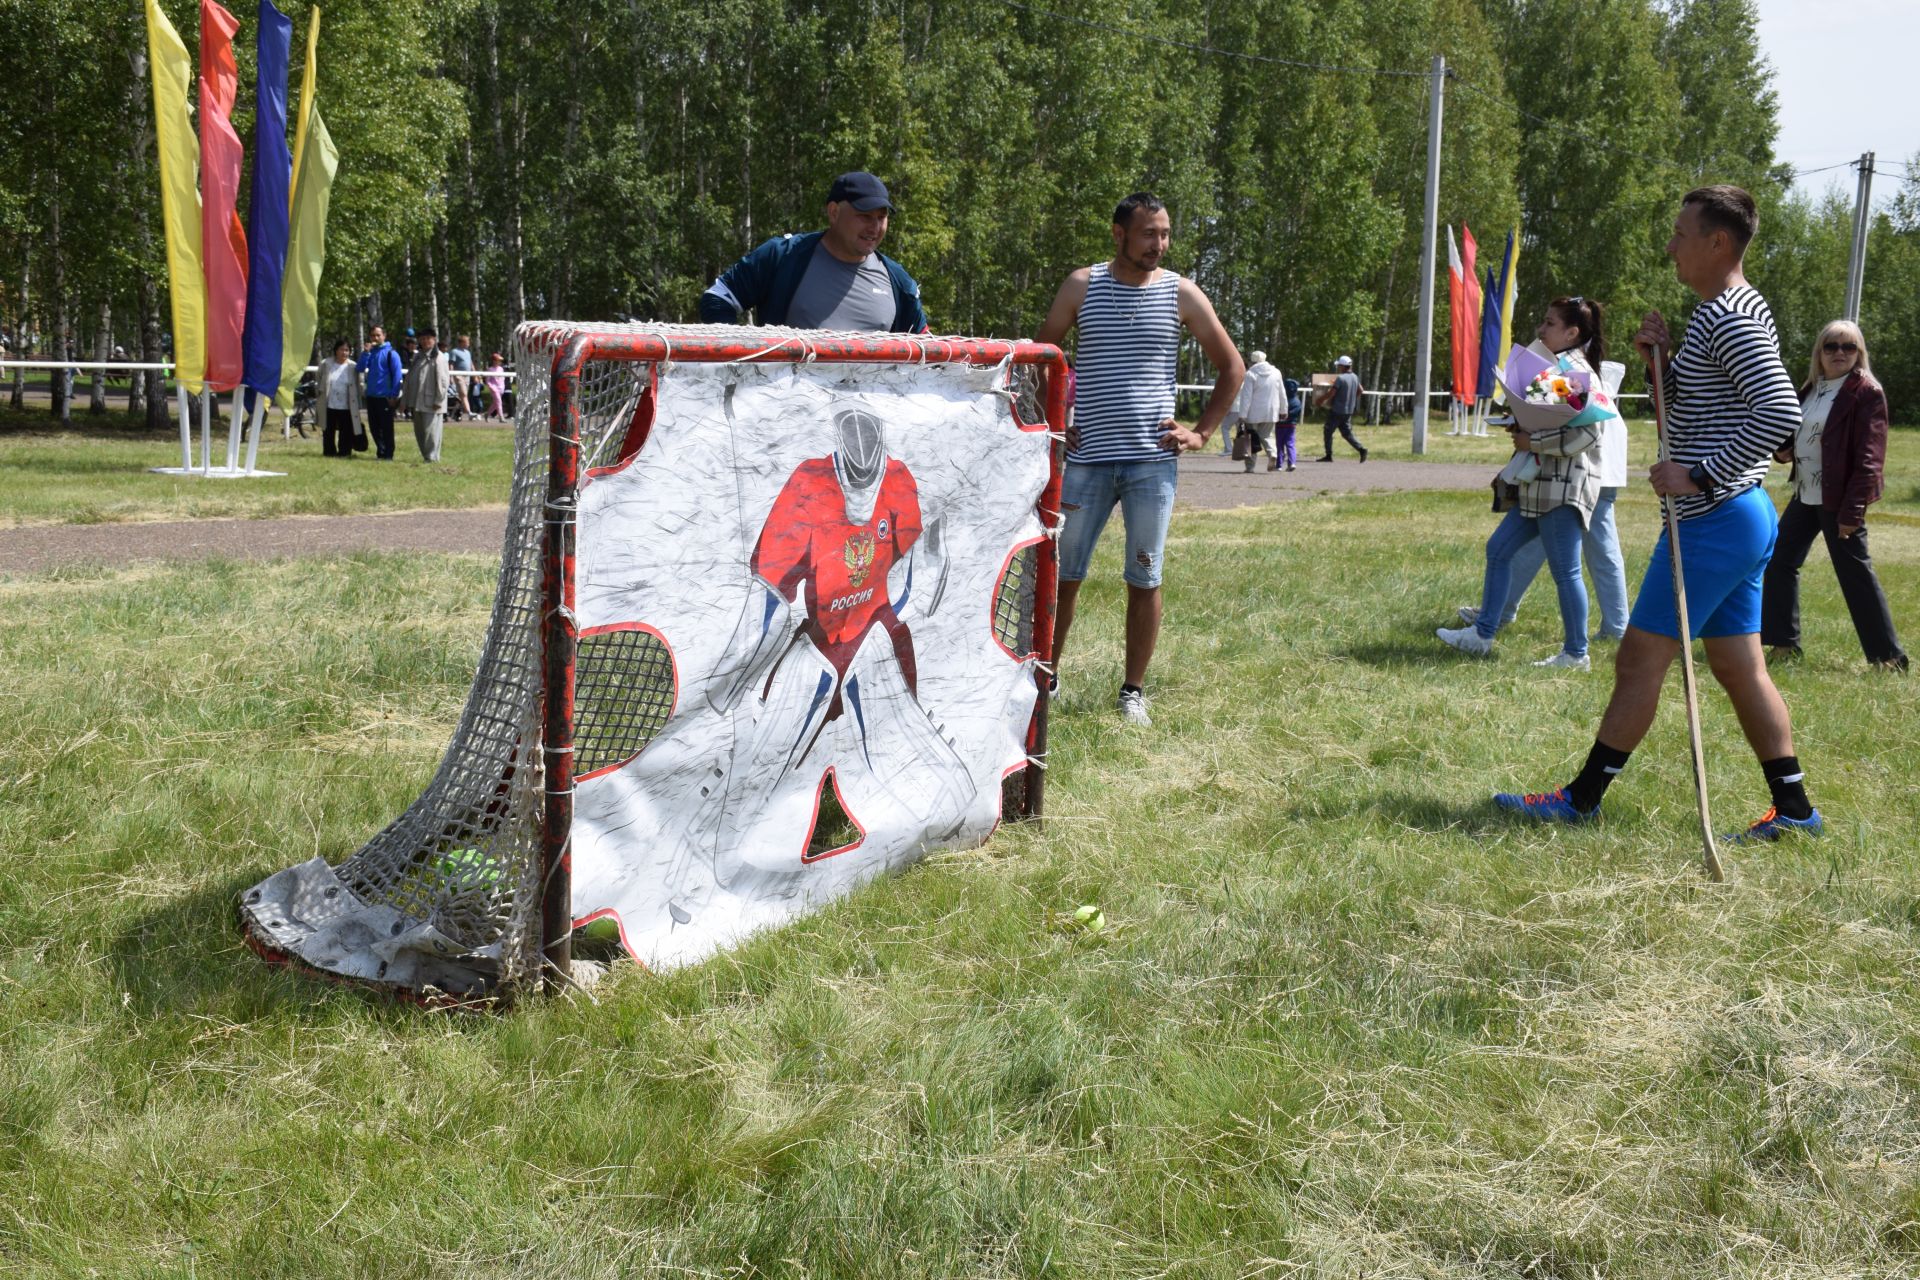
{"x": 381, "y": 371}
{"x": 833, "y": 279}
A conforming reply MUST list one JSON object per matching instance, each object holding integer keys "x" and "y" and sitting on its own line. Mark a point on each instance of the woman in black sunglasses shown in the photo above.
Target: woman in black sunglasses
{"x": 1838, "y": 456}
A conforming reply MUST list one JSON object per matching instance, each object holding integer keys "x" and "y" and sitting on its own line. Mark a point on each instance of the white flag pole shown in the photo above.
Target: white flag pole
{"x": 253, "y": 432}
{"x": 186, "y": 429}
{"x": 233, "y": 434}
{"x": 206, "y": 430}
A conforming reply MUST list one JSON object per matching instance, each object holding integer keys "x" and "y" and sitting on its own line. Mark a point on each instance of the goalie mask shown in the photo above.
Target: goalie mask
{"x": 859, "y": 461}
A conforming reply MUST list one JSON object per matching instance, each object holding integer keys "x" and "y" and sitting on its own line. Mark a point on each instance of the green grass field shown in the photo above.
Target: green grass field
{"x": 97, "y": 471}
{"x": 1342, "y": 1021}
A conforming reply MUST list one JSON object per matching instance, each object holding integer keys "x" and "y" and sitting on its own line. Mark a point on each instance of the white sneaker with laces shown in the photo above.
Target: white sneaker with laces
{"x": 1133, "y": 708}
{"x": 1466, "y": 640}
{"x": 1469, "y": 613}
{"x": 1567, "y": 661}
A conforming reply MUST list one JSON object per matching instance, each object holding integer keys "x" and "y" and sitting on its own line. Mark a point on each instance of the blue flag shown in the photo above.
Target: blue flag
{"x": 267, "y": 204}
{"x": 1489, "y": 334}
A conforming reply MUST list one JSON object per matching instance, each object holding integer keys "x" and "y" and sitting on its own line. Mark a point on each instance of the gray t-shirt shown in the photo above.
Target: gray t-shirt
{"x": 843, "y": 295}
{"x": 1346, "y": 395}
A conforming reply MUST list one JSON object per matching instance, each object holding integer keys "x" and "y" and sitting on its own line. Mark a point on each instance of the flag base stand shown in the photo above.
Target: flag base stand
{"x": 214, "y": 473}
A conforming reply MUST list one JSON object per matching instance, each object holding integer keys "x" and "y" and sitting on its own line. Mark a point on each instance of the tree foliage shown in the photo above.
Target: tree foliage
{"x": 606, "y": 158}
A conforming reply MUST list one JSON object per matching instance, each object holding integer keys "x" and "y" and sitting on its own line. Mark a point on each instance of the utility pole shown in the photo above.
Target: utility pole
{"x": 1862, "y": 220}
{"x": 1423, "y": 357}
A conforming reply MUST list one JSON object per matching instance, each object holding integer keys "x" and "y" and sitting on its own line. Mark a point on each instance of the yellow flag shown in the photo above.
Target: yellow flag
{"x": 306, "y": 249}
{"x": 179, "y": 196}
{"x": 309, "y": 95}
{"x": 1510, "y": 272}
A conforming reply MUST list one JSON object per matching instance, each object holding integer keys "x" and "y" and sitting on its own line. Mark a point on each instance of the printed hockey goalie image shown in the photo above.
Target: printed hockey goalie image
{"x": 822, "y": 554}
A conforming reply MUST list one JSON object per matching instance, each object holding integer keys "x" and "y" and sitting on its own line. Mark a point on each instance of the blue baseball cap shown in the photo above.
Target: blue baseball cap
{"x": 861, "y": 190}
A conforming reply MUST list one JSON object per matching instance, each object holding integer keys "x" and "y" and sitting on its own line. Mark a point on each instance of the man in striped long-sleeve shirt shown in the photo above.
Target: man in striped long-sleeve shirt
{"x": 1730, "y": 404}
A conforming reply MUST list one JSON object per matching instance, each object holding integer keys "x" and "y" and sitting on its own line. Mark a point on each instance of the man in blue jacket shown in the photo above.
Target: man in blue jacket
{"x": 380, "y": 372}
{"x": 833, "y": 279}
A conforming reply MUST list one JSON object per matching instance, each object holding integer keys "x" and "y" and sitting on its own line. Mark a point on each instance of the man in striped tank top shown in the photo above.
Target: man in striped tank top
{"x": 1123, "y": 446}
{"x": 1730, "y": 404}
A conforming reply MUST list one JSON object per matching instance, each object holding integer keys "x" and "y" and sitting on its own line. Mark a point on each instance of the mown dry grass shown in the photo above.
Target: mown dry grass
{"x": 1343, "y": 1020}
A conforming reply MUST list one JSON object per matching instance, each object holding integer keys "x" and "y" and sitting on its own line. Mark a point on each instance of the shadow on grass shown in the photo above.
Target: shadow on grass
{"x": 189, "y": 956}
{"x": 1418, "y": 811}
{"x": 38, "y": 420}
{"x": 1417, "y": 648}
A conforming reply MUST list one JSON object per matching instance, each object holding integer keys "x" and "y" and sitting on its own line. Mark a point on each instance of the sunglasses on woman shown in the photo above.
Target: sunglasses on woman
{"x": 1840, "y": 348}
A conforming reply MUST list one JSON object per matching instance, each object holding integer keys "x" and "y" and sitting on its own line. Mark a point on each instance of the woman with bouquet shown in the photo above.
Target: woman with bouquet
{"x": 1838, "y": 455}
{"x": 1558, "y": 489}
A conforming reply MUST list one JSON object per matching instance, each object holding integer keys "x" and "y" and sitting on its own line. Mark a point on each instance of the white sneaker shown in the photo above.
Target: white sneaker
{"x": 1568, "y": 661}
{"x": 1466, "y": 640}
{"x": 1133, "y": 708}
{"x": 1469, "y": 613}
{"x": 1054, "y": 690}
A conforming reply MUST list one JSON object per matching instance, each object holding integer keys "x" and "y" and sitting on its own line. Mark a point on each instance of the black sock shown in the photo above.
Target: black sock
{"x": 1130, "y": 688}
{"x": 1788, "y": 785}
{"x": 1603, "y": 762}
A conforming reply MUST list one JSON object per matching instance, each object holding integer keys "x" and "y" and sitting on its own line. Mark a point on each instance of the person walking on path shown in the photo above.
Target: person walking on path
{"x": 1258, "y": 408}
{"x": 1838, "y": 456}
{"x": 459, "y": 371}
{"x": 381, "y": 374}
{"x": 496, "y": 387}
{"x": 1342, "y": 399}
{"x": 1556, "y": 506}
{"x": 1124, "y": 444}
{"x": 340, "y": 393}
{"x": 832, "y": 279}
{"x": 1284, "y": 452}
{"x": 426, "y": 394}
{"x": 1730, "y": 404}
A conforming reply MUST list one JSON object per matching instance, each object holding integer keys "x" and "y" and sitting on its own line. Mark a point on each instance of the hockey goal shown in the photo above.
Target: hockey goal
{"x": 771, "y": 619}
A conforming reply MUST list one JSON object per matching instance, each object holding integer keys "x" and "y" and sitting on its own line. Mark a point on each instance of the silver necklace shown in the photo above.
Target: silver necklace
{"x": 1140, "y": 298}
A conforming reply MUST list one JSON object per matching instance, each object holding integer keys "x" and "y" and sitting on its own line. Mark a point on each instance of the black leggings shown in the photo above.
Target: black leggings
{"x": 1866, "y": 602}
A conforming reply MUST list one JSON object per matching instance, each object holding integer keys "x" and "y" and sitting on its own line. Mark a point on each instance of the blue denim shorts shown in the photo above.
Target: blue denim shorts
{"x": 1144, "y": 492}
{"x": 1723, "y": 556}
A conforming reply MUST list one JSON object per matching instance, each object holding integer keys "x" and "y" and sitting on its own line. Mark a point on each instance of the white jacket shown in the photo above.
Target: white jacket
{"x": 1613, "y": 432}
{"x": 1263, "y": 395}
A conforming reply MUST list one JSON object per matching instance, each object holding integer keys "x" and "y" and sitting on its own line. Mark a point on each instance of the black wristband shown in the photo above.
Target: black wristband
{"x": 1701, "y": 480}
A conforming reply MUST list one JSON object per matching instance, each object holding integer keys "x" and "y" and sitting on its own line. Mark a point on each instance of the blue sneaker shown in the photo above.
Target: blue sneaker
{"x": 1772, "y": 825}
{"x": 1550, "y": 806}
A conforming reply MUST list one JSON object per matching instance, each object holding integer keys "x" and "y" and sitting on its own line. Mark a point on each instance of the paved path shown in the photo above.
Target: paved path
{"x": 1207, "y": 482}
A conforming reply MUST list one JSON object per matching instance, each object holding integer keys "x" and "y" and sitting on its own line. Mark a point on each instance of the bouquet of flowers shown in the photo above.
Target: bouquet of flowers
{"x": 1545, "y": 394}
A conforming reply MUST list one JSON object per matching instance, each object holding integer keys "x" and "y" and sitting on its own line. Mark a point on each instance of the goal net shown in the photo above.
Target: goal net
{"x": 770, "y": 619}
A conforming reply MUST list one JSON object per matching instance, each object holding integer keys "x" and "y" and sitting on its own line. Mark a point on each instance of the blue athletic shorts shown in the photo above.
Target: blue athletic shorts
{"x": 1144, "y": 492}
{"x": 1723, "y": 555}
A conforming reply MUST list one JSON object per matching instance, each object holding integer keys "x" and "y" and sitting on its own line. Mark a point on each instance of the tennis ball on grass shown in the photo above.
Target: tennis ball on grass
{"x": 605, "y": 930}
{"x": 1090, "y": 918}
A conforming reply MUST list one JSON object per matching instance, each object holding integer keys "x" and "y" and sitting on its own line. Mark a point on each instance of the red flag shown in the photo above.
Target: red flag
{"x": 1469, "y": 364}
{"x": 1456, "y": 315}
{"x": 223, "y": 239}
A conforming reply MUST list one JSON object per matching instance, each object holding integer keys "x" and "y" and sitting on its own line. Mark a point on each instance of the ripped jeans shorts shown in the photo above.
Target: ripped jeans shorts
{"x": 1143, "y": 491}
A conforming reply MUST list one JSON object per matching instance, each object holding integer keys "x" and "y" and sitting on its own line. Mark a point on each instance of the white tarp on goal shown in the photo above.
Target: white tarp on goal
{"x": 821, "y": 549}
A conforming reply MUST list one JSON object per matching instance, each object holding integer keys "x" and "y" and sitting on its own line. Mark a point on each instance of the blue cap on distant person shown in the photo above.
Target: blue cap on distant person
{"x": 410, "y": 333}
{"x": 861, "y": 190}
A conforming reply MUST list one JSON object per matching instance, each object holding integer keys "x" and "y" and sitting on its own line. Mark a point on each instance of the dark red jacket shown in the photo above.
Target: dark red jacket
{"x": 1853, "y": 449}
